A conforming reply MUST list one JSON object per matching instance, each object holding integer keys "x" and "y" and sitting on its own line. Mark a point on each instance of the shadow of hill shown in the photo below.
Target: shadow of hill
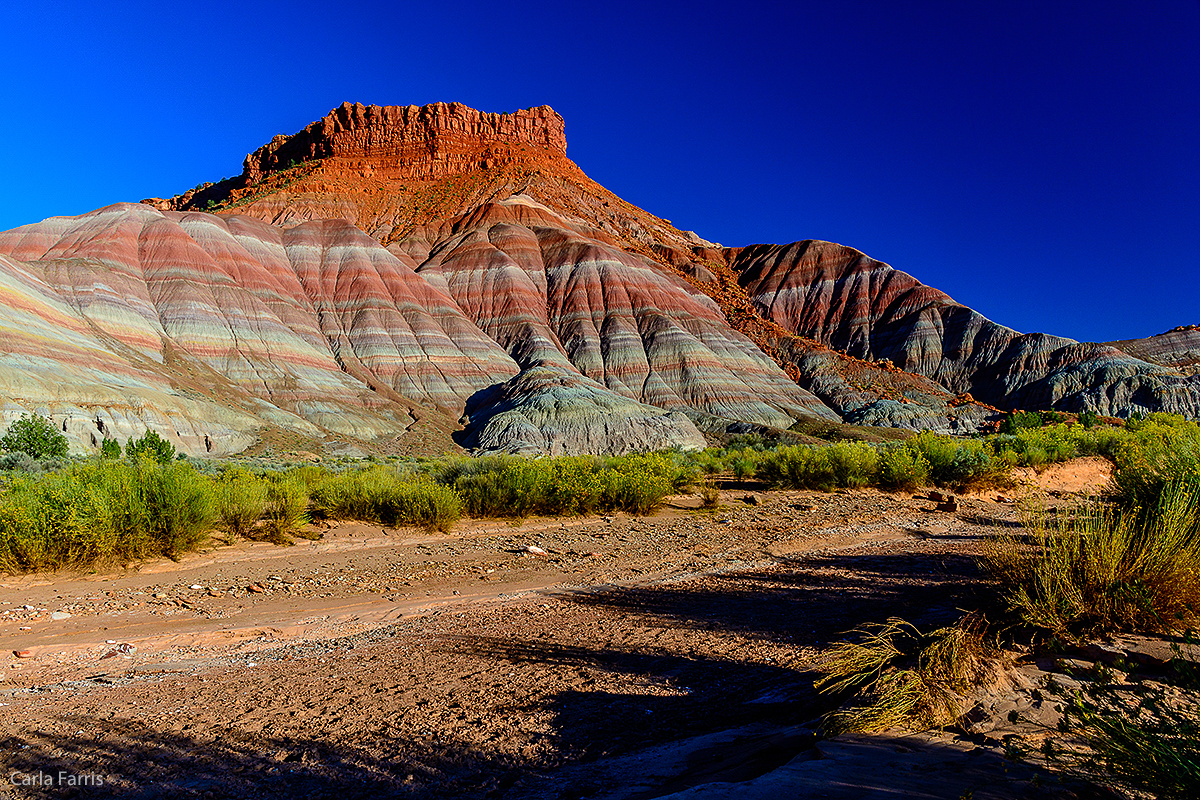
{"x": 808, "y": 601}
{"x": 136, "y": 760}
{"x": 749, "y": 666}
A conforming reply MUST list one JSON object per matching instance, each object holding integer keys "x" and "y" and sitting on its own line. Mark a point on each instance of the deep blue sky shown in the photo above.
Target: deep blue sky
{"x": 1038, "y": 161}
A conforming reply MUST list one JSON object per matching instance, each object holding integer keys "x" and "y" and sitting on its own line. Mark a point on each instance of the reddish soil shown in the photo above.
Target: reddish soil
{"x": 635, "y": 658}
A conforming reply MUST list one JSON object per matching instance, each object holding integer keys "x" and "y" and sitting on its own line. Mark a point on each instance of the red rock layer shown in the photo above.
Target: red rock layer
{"x": 555, "y": 295}
{"x": 861, "y": 306}
{"x": 316, "y": 319}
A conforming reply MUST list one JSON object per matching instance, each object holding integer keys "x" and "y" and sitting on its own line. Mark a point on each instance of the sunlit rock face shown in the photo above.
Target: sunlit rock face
{"x": 863, "y": 307}
{"x": 394, "y": 268}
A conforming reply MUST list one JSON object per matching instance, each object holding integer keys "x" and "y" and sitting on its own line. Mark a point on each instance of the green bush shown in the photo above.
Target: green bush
{"x": 1099, "y": 569}
{"x": 903, "y": 468}
{"x": 380, "y": 494}
{"x": 103, "y": 512}
{"x": 152, "y": 446}
{"x": 110, "y": 448}
{"x": 241, "y": 501}
{"x": 287, "y": 508}
{"x": 36, "y": 436}
{"x": 1020, "y": 420}
{"x": 840, "y": 465}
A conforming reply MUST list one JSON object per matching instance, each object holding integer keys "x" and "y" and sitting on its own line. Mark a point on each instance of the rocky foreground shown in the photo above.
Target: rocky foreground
{"x": 605, "y": 657}
{"x": 430, "y": 278}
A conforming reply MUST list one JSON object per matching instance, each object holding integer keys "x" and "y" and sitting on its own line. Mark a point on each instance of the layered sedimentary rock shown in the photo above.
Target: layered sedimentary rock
{"x": 393, "y": 265}
{"x": 321, "y": 327}
{"x": 1178, "y": 348}
{"x": 320, "y": 322}
{"x": 560, "y": 412}
{"x": 554, "y": 295}
{"x": 863, "y": 307}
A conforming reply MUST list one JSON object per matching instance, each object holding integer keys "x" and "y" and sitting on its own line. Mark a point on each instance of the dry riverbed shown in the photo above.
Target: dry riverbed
{"x": 600, "y": 657}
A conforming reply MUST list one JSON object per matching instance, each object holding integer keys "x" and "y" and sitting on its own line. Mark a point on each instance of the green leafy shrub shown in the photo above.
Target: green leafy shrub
{"x": 36, "y": 436}
{"x": 287, "y": 508}
{"x": 110, "y": 448}
{"x": 380, "y": 494}
{"x": 103, "y": 512}
{"x": 241, "y": 501}
{"x": 903, "y": 468}
{"x": 1020, "y": 420}
{"x": 840, "y": 465}
{"x": 151, "y": 446}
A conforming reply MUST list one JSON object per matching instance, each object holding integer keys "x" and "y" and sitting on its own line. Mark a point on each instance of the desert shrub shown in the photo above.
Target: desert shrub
{"x": 577, "y": 486}
{"x": 1102, "y": 569}
{"x": 36, "y": 436}
{"x": 899, "y": 676}
{"x": 511, "y": 486}
{"x": 152, "y": 446}
{"x": 241, "y": 501}
{"x": 179, "y": 504}
{"x": 1020, "y": 420}
{"x": 903, "y": 468}
{"x": 956, "y": 462}
{"x": 743, "y": 467}
{"x": 503, "y": 486}
{"x": 110, "y": 448}
{"x": 939, "y": 453}
{"x": 381, "y": 494}
{"x": 287, "y": 508}
{"x": 103, "y": 512}
{"x": 840, "y": 465}
{"x": 18, "y": 461}
{"x": 638, "y": 486}
{"x": 1088, "y": 419}
{"x": 1162, "y": 450}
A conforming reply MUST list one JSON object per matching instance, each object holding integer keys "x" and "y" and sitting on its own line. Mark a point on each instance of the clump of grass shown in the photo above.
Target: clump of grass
{"x": 901, "y": 677}
{"x": 710, "y": 495}
{"x": 1101, "y": 569}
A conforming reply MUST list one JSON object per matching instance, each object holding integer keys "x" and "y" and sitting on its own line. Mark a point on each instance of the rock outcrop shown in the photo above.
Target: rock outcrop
{"x": 863, "y": 307}
{"x": 1178, "y": 348}
{"x": 392, "y": 267}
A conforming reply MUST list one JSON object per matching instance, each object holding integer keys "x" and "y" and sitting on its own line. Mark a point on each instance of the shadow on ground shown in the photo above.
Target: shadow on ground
{"x": 675, "y": 692}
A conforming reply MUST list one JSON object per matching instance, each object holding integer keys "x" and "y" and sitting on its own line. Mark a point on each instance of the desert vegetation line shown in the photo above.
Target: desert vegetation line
{"x": 57, "y": 512}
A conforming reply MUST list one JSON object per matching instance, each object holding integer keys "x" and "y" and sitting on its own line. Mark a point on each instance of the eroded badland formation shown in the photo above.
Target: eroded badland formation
{"x": 411, "y": 276}
{"x": 408, "y": 280}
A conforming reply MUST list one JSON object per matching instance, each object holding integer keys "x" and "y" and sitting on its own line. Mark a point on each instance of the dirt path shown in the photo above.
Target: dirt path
{"x": 634, "y": 658}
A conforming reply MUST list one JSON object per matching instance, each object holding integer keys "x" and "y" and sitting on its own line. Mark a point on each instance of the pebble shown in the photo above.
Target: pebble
{"x": 195, "y": 587}
{"x": 59, "y": 615}
{"x": 23, "y": 653}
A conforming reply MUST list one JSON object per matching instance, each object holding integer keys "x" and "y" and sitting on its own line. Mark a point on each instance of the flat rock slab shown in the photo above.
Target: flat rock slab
{"x": 862, "y": 767}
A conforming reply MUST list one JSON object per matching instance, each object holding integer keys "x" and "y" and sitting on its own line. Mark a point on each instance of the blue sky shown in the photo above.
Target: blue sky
{"x": 1037, "y": 161}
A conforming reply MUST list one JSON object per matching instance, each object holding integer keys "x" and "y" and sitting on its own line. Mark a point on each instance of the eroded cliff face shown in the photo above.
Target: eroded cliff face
{"x": 863, "y": 307}
{"x": 1178, "y": 348}
{"x": 391, "y": 267}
